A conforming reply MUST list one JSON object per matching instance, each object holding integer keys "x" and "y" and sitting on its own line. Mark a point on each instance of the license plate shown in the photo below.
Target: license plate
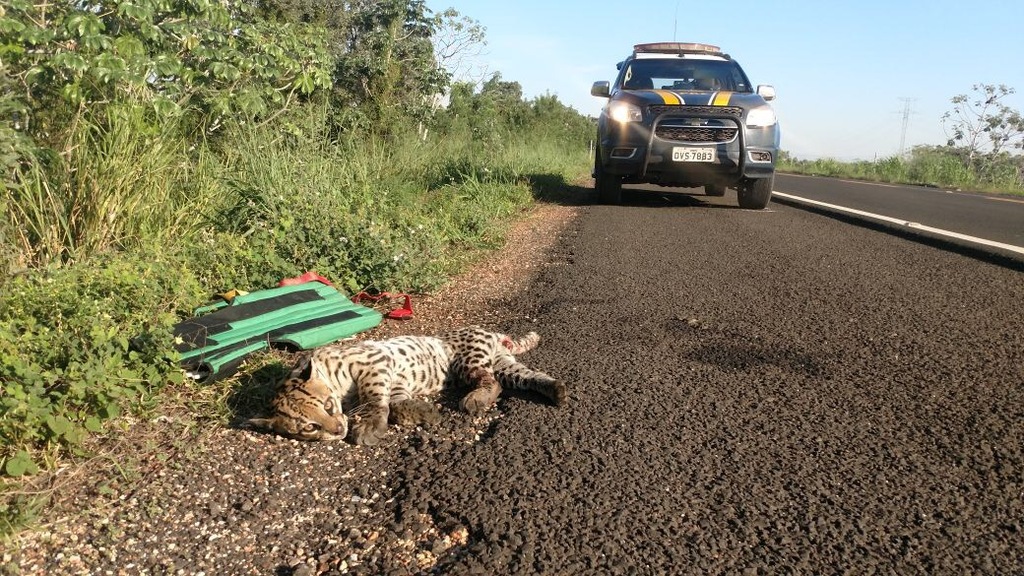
{"x": 680, "y": 154}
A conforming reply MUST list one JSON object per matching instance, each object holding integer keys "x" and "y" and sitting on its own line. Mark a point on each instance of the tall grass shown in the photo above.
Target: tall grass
{"x": 115, "y": 182}
{"x": 400, "y": 214}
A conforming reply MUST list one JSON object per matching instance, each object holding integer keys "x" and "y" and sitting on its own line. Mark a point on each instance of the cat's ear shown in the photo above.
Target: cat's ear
{"x": 303, "y": 368}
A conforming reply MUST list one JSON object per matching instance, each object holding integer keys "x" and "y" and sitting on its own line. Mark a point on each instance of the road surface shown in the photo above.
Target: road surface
{"x": 988, "y": 222}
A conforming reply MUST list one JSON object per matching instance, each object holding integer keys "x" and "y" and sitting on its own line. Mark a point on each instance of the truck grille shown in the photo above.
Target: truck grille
{"x": 715, "y": 134}
{"x": 696, "y": 124}
{"x": 734, "y": 111}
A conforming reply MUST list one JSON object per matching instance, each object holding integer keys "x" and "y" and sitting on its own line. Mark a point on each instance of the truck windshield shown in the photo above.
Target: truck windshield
{"x": 683, "y": 74}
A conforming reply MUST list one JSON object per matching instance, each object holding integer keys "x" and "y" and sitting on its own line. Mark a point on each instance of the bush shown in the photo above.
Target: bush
{"x": 73, "y": 365}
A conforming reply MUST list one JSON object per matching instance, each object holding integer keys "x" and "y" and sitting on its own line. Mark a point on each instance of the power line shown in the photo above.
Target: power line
{"x": 906, "y": 122}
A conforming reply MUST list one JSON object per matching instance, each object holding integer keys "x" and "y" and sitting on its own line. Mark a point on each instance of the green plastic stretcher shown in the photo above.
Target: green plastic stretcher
{"x": 295, "y": 317}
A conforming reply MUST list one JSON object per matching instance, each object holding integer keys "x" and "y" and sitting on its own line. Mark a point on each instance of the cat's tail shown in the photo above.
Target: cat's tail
{"x": 522, "y": 344}
{"x": 515, "y": 376}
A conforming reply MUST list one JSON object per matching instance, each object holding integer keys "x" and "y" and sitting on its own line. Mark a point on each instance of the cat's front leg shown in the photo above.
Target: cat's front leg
{"x": 485, "y": 392}
{"x": 369, "y": 420}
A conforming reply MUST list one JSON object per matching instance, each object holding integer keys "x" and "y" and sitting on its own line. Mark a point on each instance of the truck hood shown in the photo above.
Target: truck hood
{"x": 745, "y": 100}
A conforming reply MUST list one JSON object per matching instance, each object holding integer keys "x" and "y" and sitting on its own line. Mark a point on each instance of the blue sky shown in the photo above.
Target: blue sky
{"x": 843, "y": 70}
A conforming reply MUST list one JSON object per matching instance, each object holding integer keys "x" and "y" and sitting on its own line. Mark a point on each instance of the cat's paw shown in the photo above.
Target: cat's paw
{"x": 557, "y": 393}
{"x": 478, "y": 401}
{"x": 369, "y": 430}
{"x": 414, "y": 412}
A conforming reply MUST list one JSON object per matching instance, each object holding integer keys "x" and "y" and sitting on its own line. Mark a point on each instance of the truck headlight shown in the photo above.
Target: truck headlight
{"x": 761, "y": 117}
{"x": 625, "y": 112}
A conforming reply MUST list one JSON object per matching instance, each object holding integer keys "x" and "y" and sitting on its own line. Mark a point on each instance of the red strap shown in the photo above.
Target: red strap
{"x": 402, "y": 313}
{"x": 309, "y": 276}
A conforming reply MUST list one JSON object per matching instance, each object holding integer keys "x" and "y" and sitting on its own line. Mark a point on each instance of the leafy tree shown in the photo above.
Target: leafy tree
{"x": 554, "y": 120}
{"x": 458, "y": 40}
{"x": 984, "y": 123}
{"x": 498, "y": 113}
{"x": 506, "y": 99}
{"x": 386, "y": 62}
{"x": 985, "y": 132}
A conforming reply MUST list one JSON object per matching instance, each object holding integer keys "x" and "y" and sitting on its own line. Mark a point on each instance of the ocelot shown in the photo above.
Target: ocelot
{"x": 373, "y": 382}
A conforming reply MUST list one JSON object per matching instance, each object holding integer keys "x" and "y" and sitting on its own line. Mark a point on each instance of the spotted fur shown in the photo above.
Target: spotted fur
{"x": 359, "y": 388}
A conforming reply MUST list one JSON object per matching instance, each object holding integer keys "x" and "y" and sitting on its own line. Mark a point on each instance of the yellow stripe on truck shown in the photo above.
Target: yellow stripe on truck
{"x": 721, "y": 99}
{"x": 669, "y": 98}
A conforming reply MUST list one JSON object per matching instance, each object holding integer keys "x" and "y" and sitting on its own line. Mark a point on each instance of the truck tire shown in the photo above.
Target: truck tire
{"x": 755, "y": 194}
{"x": 607, "y": 186}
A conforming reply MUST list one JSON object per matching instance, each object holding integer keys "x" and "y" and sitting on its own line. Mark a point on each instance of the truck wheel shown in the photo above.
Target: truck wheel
{"x": 608, "y": 186}
{"x": 756, "y": 193}
{"x": 714, "y": 190}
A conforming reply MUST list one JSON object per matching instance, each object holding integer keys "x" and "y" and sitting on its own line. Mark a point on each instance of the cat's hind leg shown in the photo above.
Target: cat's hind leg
{"x": 516, "y": 376}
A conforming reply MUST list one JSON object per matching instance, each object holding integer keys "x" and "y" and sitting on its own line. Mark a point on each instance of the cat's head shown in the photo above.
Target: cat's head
{"x": 305, "y": 409}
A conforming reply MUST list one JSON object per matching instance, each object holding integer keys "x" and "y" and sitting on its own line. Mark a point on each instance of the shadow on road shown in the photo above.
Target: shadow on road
{"x": 555, "y": 189}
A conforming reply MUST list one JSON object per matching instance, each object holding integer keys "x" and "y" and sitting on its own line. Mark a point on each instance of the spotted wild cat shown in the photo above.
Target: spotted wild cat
{"x": 374, "y": 381}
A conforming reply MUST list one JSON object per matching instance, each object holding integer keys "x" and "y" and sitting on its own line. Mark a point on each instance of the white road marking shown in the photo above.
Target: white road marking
{"x": 905, "y": 223}
{"x": 889, "y": 185}
{"x": 1014, "y": 200}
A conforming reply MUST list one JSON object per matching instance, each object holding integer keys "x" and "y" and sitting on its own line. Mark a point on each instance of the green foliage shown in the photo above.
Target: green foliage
{"x": 386, "y": 64}
{"x": 211, "y": 59}
{"x": 157, "y": 152}
{"x": 103, "y": 105}
{"x": 497, "y": 115}
{"x": 14, "y": 145}
{"x": 74, "y": 363}
{"x": 352, "y": 211}
{"x": 118, "y": 182}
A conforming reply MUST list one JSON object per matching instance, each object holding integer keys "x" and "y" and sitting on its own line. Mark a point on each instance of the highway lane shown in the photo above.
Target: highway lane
{"x": 751, "y": 392}
{"x": 993, "y": 217}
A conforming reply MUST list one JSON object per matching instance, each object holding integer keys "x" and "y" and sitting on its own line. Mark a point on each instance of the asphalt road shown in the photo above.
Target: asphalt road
{"x": 996, "y": 217}
{"x": 752, "y": 392}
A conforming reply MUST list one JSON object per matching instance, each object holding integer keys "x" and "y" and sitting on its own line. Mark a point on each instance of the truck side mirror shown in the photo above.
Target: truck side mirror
{"x": 766, "y": 91}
